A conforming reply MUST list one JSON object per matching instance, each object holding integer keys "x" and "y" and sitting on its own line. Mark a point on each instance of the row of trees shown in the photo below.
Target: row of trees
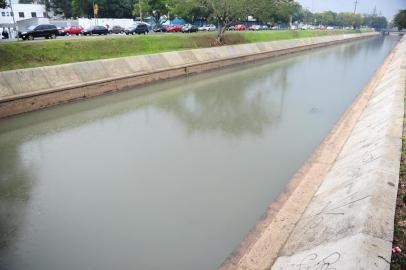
{"x": 223, "y": 12}
{"x": 344, "y": 19}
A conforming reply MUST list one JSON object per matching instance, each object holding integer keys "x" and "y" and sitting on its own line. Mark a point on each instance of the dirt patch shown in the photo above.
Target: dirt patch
{"x": 232, "y": 39}
{"x": 205, "y": 41}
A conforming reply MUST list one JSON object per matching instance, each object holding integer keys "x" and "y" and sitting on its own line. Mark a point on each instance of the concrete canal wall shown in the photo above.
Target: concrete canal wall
{"x": 35, "y": 88}
{"x": 338, "y": 212}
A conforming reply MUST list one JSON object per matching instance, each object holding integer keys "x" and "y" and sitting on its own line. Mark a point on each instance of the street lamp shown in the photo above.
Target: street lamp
{"x": 14, "y": 21}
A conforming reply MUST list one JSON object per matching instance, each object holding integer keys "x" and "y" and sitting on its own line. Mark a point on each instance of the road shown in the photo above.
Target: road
{"x": 95, "y": 36}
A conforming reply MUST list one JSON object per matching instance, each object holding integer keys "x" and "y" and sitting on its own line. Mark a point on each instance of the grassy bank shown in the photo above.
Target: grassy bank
{"x": 26, "y": 54}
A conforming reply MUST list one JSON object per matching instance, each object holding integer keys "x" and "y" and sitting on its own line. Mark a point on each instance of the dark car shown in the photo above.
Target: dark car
{"x": 140, "y": 28}
{"x": 42, "y": 30}
{"x": 161, "y": 28}
{"x": 61, "y": 32}
{"x": 117, "y": 30}
{"x": 96, "y": 30}
{"x": 189, "y": 28}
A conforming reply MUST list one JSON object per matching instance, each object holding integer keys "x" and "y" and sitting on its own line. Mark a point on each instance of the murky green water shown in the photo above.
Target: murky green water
{"x": 173, "y": 175}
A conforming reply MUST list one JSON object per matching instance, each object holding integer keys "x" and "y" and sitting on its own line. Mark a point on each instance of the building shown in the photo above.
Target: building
{"x": 21, "y": 12}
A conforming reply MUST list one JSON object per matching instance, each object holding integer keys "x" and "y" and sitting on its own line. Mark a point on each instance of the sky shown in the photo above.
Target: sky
{"x": 388, "y": 7}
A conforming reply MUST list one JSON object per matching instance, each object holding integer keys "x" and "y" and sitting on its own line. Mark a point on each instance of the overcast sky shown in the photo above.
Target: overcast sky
{"x": 388, "y": 7}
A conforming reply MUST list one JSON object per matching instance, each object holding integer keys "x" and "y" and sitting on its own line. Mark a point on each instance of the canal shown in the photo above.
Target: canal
{"x": 171, "y": 175}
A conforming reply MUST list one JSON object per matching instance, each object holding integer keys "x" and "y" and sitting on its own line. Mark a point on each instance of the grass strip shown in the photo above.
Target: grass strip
{"x": 28, "y": 54}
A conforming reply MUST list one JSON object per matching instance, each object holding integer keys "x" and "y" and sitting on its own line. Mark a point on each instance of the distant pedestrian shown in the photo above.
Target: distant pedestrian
{"x": 4, "y": 34}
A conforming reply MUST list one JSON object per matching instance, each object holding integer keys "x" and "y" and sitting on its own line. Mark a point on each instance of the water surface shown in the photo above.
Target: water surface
{"x": 171, "y": 175}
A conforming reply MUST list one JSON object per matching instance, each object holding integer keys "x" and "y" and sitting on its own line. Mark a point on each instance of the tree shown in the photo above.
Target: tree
{"x": 377, "y": 22}
{"x": 3, "y": 4}
{"x": 82, "y": 8}
{"x": 60, "y": 7}
{"x": 189, "y": 10}
{"x": 400, "y": 20}
{"x": 287, "y": 9}
{"x": 140, "y": 8}
{"x": 227, "y": 12}
{"x": 115, "y": 8}
{"x": 326, "y": 18}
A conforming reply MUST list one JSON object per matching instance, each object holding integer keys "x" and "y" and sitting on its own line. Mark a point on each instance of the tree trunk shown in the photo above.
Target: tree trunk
{"x": 290, "y": 21}
{"x": 220, "y": 34}
{"x": 141, "y": 11}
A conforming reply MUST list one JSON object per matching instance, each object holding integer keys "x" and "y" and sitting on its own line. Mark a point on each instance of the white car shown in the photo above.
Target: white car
{"x": 209, "y": 27}
{"x": 330, "y": 28}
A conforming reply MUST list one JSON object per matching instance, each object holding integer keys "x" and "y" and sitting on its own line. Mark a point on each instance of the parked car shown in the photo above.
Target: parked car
{"x": 160, "y": 28}
{"x": 255, "y": 28}
{"x": 73, "y": 30}
{"x": 96, "y": 30}
{"x": 117, "y": 29}
{"x": 61, "y": 31}
{"x": 139, "y": 28}
{"x": 265, "y": 27}
{"x": 304, "y": 27}
{"x": 42, "y": 30}
{"x": 276, "y": 27}
{"x": 240, "y": 27}
{"x": 208, "y": 27}
{"x": 174, "y": 28}
{"x": 189, "y": 28}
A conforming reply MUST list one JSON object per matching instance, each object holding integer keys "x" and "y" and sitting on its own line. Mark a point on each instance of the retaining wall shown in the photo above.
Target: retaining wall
{"x": 338, "y": 210}
{"x": 35, "y": 88}
{"x": 339, "y": 213}
{"x": 349, "y": 222}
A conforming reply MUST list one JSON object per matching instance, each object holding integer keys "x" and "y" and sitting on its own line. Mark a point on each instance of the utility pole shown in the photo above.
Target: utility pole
{"x": 14, "y": 21}
{"x": 355, "y": 8}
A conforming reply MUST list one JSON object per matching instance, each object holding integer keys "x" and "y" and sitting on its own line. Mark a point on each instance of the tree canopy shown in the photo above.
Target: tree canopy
{"x": 400, "y": 20}
{"x": 3, "y": 3}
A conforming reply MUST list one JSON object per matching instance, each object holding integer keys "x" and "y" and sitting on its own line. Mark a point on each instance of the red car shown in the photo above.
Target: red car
{"x": 174, "y": 28}
{"x": 73, "y": 30}
{"x": 239, "y": 27}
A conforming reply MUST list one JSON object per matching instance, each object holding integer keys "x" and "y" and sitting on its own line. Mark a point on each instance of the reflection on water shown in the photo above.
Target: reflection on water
{"x": 239, "y": 104}
{"x": 172, "y": 175}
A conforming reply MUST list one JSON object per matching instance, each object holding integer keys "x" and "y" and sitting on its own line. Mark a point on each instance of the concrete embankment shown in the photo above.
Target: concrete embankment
{"x": 339, "y": 209}
{"x": 31, "y": 89}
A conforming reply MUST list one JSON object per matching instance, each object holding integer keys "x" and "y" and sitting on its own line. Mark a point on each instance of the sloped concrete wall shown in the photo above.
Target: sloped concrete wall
{"x": 29, "y": 89}
{"x": 349, "y": 222}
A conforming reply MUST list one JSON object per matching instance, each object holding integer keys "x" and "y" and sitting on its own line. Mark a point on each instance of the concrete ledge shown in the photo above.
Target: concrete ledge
{"x": 264, "y": 243}
{"x": 349, "y": 221}
{"x": 338, "y": 210}
{"x": 31, "y": 89}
